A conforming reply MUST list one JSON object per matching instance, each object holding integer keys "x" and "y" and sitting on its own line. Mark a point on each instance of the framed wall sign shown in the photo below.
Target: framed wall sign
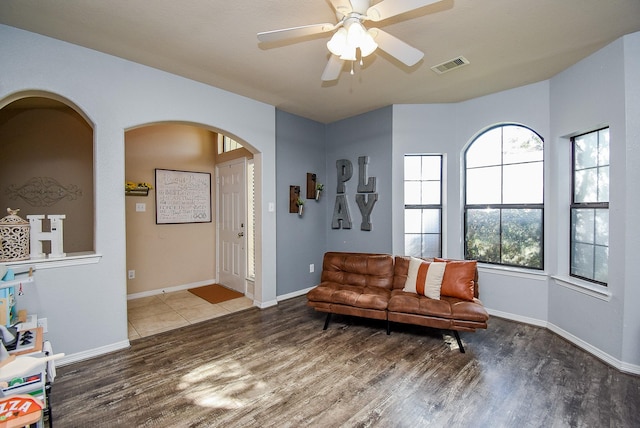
{"x": 182, "y": 197}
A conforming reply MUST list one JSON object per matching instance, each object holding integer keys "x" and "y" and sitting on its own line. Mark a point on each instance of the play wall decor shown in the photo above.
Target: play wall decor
{"x": 365, "y": 198}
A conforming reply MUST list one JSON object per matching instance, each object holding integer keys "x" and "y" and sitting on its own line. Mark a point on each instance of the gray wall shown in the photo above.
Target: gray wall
{"x": 600, "y": 91}
{"x": 448, "y": 129}
{"x": 300, "y": 148}
{"x": 369, "y": 135}
{"x": 631, "y": 318}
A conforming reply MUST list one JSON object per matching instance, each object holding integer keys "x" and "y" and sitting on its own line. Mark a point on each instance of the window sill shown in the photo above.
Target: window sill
{"x": 71, "y": 259}
{"x": 511, "y": 271}
{"x": 584, "y": 287}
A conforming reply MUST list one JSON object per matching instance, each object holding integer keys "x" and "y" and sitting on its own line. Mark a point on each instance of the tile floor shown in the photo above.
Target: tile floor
{"x": 163, "y": 312}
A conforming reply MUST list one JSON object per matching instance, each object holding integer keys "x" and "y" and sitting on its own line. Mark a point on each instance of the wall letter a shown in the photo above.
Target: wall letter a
{"x": 341, "y": 213}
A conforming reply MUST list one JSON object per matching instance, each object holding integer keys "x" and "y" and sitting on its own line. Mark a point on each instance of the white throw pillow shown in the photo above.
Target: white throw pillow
{"x": 424, "y": 278}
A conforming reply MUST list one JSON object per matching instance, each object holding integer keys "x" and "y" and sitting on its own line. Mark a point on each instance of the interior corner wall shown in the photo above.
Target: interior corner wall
{"x": 168, "y": 255}
{"x": 631, "y": 319}
{"x": 585, "y": 97}
{"x": 370, "y": 135}
{"x": 300, "y": 149}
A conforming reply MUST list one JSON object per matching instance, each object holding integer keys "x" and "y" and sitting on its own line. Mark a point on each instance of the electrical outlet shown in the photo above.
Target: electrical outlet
{"x": 312, "y": 268}
{"x": 131, "y": 274}
{"x": 42, "y": 322}
{"x": 141, "y": 207}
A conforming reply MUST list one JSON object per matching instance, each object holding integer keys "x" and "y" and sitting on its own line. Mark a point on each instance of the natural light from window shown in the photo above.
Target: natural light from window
{"x": 504, "y": 197}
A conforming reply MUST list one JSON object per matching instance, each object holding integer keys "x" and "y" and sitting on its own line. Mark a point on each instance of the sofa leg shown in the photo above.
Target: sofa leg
{"x": 388, "y": 327}
{"x": 326, "y": 322}
{"x": 457, "y": 336}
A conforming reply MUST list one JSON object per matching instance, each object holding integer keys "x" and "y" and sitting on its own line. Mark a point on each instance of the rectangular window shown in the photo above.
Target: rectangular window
{"x": 423, "y": 205}
{"x": 251, "y": 221}
{"x": 226, "y": 144}
{"x": 590, "y": 207}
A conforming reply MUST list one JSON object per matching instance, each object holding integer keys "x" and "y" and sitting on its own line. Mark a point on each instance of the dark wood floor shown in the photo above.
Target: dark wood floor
{"x": 277, "y": 368}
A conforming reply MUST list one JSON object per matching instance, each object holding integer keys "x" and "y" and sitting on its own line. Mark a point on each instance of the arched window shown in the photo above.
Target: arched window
{"x": 504, "y": 197}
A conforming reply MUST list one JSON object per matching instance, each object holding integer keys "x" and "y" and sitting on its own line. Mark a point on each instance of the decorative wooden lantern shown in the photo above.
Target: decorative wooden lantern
{"x": 14, "y": 237}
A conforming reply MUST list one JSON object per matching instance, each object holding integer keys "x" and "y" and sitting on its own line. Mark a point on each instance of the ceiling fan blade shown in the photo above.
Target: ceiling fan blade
{"x": 396, "y": 48}
{"x": 332, "y": 69}
{"x": 388, "y": 8}
{"x": 289, "y": 33}
{"x": 342, "y": 7}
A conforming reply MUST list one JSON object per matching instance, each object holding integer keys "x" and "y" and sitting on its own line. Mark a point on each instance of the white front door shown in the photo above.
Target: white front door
{"x": 230, "y": 178}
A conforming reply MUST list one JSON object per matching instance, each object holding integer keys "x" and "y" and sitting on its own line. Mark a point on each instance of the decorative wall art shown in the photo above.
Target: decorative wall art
{"x": 55, "y": 236}
{"x": 294, "y": 198}
{"x": 182, "y": 197}
{"x": 366, "y": 197}
{"x": 43, "y": 191}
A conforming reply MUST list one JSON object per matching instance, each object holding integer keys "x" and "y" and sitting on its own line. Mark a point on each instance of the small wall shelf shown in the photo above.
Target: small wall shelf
{"x": 138, "y": 191}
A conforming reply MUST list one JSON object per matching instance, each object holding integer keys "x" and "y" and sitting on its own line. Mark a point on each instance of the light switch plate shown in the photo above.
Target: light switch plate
{"x": 141, "y": 207}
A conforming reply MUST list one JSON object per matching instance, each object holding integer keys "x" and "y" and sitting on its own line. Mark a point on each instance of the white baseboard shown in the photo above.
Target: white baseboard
{"x": 596, "y": 352}
{"x": 518, "y": 318}
{"x": 170, "y": 289}
{"x": 294, "y": 294}
{"x": 267, "y": 304}
{"x": 95, "y": 352}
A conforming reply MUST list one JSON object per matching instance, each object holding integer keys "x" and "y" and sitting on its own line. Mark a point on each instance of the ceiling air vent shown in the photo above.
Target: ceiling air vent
{"x": 450, "y": 65}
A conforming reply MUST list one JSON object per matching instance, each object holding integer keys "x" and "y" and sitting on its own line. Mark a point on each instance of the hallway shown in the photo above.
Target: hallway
{"x": 155, "y": 314}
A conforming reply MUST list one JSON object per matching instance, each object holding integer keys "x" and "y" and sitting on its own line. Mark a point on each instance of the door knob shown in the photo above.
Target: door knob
{"x": 240, "y": 234}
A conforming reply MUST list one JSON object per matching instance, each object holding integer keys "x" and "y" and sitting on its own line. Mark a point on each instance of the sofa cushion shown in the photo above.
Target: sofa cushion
{"x": 411, "y": 303}
{"x": 459, "y": 278}
{"x": 424, "y": 278}
{"x": 446, "y": 307}
{"x": 359, "y": 269}
{"x": 341, "y": 294}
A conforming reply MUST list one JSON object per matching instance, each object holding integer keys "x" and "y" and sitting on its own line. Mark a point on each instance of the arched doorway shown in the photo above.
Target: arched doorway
{"x": 165, "y": 260}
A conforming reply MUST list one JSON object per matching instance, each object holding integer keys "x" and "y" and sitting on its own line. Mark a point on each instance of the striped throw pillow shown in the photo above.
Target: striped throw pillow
{"x": 424, "y": 278}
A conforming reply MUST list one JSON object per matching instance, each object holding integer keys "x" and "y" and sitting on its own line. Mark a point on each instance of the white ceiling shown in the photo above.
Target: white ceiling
{"x": 509, "y": 43}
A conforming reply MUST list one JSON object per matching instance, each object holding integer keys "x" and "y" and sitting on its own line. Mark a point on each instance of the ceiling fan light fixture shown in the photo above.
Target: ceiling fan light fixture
{"x": 355, "y": 34}
{"x": 349, "y": 53}
{"x": 338, "y": 42}
{"x": 368, "y": 45}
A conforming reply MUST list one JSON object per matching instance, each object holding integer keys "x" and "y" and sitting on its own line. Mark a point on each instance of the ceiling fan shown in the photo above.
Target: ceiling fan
{"x": 351, "y": 35}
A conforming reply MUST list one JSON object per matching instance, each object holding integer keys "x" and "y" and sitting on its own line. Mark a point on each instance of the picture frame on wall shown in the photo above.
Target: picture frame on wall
{"x": 182, "y": 196}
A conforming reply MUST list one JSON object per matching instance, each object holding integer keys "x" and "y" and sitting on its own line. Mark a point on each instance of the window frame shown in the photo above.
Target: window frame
{"x": 439, "y": 206}
{"x": 586, "y": 206}
{"x": 501, "y": 207}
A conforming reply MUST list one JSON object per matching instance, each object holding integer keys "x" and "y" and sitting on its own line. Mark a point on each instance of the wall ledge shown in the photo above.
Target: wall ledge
{"x": 584, "y": 287}
{"x": 511, "y": 271}
{"x": 71, "y": 259}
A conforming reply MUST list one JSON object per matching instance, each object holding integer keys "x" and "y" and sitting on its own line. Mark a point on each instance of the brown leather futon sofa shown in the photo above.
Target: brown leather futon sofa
{"x": 371, "y": 286}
